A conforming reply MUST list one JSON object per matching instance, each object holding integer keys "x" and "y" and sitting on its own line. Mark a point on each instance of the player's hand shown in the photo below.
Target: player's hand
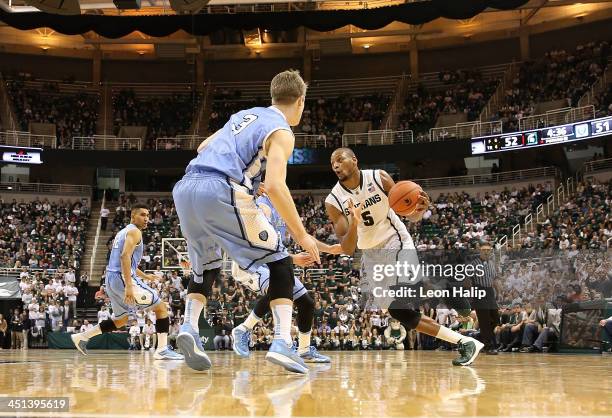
{"x": 152, "y": 277}
{"x": 309, "y": 244}
{"x": 261, "y": 190}
{"x": 354, "y": 211}
{"x": 129, "y": 297}
{"x": 602, "y": 323}
{"x": 421, "y": 206}
{"x": 302, "y": 259}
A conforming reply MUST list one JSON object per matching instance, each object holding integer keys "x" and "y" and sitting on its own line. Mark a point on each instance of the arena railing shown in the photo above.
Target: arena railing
{"x": 46, "y": 188}
{"x": 15, "y": 271}
{"x": 559, "y": 196}
{"x": 508, "y": 176}
{"x": 97, "y": 238}
{"x": 312, "y": 141}
{"x": 180, "y": 142}
{"x": 380, "y": 137}
{"x": 597, "y": 165}
{"x": 557, "y": 117}
{"x": 106, "y": 143}
{"x": 26, "y": 139}
{"x": 465, "y": 130}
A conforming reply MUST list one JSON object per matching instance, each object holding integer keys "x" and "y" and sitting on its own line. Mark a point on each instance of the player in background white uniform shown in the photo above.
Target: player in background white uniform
{"x": 359, "y": 208}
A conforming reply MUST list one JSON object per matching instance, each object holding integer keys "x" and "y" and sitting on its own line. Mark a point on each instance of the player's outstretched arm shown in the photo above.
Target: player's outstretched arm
{"x": 422, "y": 205}
{"x": 279, "y": 148}
{"x": 345, "y": 230}
{"x": 132, "y": 238}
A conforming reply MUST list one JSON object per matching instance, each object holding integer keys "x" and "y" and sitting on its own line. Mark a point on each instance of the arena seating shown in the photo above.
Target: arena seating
{"x": 457, "y": 92}
{"x": 71, "y": 107}
{"x": 166, "y": 115}
{"x": 559, "y": 75}
{"x": 41, "y": 234}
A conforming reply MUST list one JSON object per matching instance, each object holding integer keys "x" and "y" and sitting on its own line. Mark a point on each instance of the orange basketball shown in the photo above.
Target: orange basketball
{"x": 404, "y": 196}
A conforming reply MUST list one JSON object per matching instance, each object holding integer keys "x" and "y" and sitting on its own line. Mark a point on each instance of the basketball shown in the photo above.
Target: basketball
{"x": 403, "y": 197}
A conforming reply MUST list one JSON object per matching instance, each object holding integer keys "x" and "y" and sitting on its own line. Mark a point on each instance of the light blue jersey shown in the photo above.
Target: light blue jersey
{"x": 237, "y": 151}
{"x": 114, "y": 261}
{"x": 144, "y": 295}
{"x": 215, "y": 198}
{"x": 275, "y": 219}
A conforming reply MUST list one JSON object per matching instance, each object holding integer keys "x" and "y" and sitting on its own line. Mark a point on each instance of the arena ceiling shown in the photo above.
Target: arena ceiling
{"x": 534, "y": 16}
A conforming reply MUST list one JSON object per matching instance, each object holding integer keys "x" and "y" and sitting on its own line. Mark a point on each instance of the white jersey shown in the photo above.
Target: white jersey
{"x": 380, "y": 224}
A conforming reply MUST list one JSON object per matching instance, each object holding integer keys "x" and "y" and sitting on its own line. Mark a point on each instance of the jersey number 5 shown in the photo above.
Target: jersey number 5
{"x": 367, "y": 218}
{"x": 246, "y": 121}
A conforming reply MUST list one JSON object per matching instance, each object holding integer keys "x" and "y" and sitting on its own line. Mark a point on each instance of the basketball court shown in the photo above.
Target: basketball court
{"x": 410, "y": 383}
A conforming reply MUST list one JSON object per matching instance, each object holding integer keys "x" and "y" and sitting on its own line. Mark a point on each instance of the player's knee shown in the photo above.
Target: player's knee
{"x": 281, "y": 279}
{"x": 110, "y": 325}
{"x": 204, "y": 288}
{"x": 408, "y": 317}
{"x": 399, "y": 346}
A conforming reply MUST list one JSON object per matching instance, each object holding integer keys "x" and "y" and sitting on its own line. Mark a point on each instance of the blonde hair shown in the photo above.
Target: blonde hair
{"x": 287, "y": 87}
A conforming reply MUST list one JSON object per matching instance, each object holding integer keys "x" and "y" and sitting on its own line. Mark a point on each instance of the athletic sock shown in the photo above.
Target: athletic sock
{"x": 193, "y": 310}
{"x": 92, "y": 332}
{"x": 251, "y": 321}
{"x": 304, "y": 342}
{"x": 449, "y": 335}
{"x": 282, "y": 322}
{"x": 162, "y": 341}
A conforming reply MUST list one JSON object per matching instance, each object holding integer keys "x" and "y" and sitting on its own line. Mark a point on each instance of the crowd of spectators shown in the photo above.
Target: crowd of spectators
{"x": 163, "y": 116}
{"x": 323, "y": 117}
{"x": 559, "y": 75}
{"x": 603, "y": 102}
{"x": 465, "y": 91}
{"x": 49, "y": 302}
{"x": 74, "y": 115}
{"x": 42, "y": 234}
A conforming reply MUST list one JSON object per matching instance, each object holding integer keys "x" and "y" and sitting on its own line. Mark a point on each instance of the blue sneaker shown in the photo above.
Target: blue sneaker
{"x": 280, "y": 353}
{"x": 241, "y": 337}
{"x": 313, "y": 356}
{"x": 189, "y": 342}
{"x": 167, "y": 353}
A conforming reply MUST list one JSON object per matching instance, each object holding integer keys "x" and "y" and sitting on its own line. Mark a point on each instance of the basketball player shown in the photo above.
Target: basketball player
{"x": 127, "y": 291}
{"x": 359, "y": 210}
{"x": 258, "y": 283}
{"x": 217, "y": 210}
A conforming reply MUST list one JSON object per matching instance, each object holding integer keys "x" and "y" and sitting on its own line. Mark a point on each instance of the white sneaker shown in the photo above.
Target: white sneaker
{"x": 80, "y": 343}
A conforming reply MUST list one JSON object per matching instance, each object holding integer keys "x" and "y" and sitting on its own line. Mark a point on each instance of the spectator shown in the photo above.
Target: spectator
{"x": 104, "y": 212}
{"x": 149, "y": 336}
{"x": 3, "y": 331}
{"x": 395, "y": 334}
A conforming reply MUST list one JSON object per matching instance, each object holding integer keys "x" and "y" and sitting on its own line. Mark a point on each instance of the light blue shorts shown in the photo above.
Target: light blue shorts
{"x": 217, "y": 213}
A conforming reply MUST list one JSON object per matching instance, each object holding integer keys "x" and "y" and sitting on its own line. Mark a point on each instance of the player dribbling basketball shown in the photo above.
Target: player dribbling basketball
{"x": 359, "y": 208}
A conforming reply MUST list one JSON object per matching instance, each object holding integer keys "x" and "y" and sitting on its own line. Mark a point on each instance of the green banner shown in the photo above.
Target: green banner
{"x": 115, "y": 340}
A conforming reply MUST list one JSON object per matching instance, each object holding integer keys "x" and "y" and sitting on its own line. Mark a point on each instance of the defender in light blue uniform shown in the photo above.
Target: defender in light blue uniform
{"x": 259, "y": 282}
{"x": 130, "y": 293}
{"x": 220, "y": 182}
{"x": 115, "y": 286}
{"x": 217, "y": 210}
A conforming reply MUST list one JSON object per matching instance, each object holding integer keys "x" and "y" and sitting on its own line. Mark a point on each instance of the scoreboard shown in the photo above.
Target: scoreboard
{"x": 541, "y": 137}
{"x": 20, "y": 155}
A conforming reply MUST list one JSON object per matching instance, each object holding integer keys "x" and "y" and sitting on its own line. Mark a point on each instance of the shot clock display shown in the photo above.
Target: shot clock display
{"x": 540, "y": 137}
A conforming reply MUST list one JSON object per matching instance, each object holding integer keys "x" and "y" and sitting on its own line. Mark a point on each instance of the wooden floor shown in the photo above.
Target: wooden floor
{"x": 376, "y": 384}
